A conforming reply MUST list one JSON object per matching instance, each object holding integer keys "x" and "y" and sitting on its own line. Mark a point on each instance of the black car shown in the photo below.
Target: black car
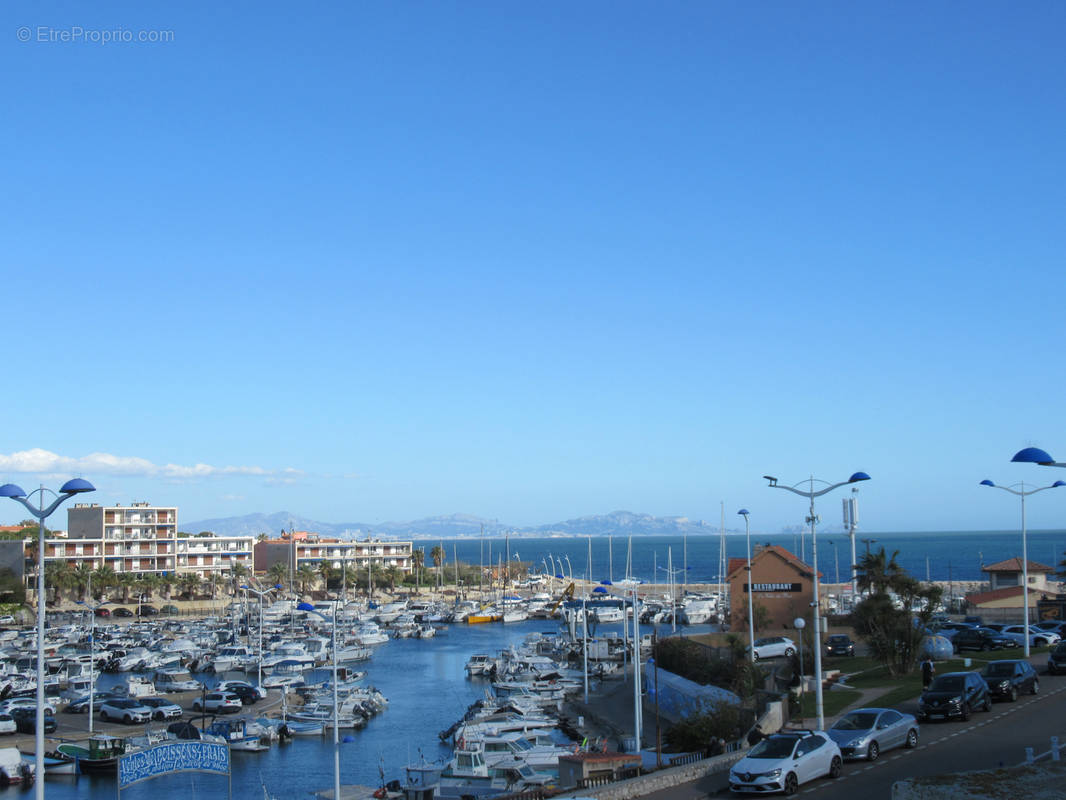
{"x": 954, "y": 694}
{"x": 26, "y": 720}
{"x": 121, "y": 612}
{"x": 1056, "y": 659}
{"x": 839, "y": 644}
{"x": 147, "y": 611}
{"x": 249, "y": 696}
{"x": 1008, "y": 679}
{"x": 981, "y": 639}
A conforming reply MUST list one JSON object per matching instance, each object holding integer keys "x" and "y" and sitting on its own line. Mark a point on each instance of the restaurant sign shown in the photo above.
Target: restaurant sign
{"x": 775, "y": 587}
{"x": 170, "y": 757}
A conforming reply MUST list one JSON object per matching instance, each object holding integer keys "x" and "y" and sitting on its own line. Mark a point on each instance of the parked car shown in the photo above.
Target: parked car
{"x": 980, "y": 639}
{"x": 128, "y": 711}
{"x": 974, "y": 620}
{"x": 1007, "y": 679}
{"x": 1056, "y": 659}
{"x": 102, "y": 612}
{"x": 26, "y": 720}
{"x": 7, "y": 619}
{"x": 7, "y": 724}
{"x": 249, "y": 694}
{"x": 774, "y": 647}
{"x": 121, "y": 612}
{"x": 147, "y": 611}
{"x": 1052, "y": 625}
{"x": 169, "y": 609}
{"x": 954, "y": 694}
{"x": 81, "y": 704}
{"x": 12, "y": 703}
{"x": 867, "y": 732}
{"x": 839, "y": 644}
{"x": 162, "y": 708}
{"x": 784, "y": 761}
{"x": 218, "y": 702}
{"x": 1037, "y": 637}
{"x": 949, "y": 629}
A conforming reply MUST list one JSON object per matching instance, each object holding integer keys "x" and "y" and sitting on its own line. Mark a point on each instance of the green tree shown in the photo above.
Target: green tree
{"x": 189, "y": 583}
{"x": 893, "y": 617}
{"x": 80, "y": 576}
{"x": 418, "y": 560}
{"x": 104, "y": 579}
{"x": 696, "y": 731}
{"x": 278, "y": 573}
{"x": 306, "y": 577}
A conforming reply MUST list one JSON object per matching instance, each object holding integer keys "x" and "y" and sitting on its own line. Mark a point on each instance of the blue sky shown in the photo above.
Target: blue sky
{"x": 370, "y": 261}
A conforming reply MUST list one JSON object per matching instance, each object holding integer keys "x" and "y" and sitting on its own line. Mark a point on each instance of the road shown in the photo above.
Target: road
{"x": 988, "y": 740}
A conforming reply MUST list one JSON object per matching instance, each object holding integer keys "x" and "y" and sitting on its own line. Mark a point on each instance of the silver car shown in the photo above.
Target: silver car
{"x": 866, "y": 732}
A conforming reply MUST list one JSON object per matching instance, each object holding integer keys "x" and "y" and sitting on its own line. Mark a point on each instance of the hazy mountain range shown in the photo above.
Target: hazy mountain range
{"x": 452, "y": 526}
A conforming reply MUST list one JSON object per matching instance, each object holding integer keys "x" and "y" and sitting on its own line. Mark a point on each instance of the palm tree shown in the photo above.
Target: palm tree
{"x": 125, "y": 581}
{"x": 878, "y": 573}
{"x": 189, "y": 583}
{"x": 418, "y": 559}
{"x": 58, "y": 576}
{"x": 393, "y": 575}
{"x": 278, "y": 573}
{"x": 306, "y": 577}
{"x": 326, "y": 570}
{"x": 214, "y": 582}
{"x": 104, "y": 578}
{"x": 82, "y": 574}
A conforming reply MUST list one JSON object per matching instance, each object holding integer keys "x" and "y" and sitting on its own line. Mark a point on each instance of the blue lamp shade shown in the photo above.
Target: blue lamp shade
{"x": 858, "y": 476}
{"x": 77, "y": 486}
{"x": 600, "y": 589}
{"x": 986, "y": 482}
{"x": 1057, "y": 484}
{"x": 11, "y": 490}
{"x": 744, "y": 512}
{"x": 1033, "y": 455}
{"x": 305, "y": 607}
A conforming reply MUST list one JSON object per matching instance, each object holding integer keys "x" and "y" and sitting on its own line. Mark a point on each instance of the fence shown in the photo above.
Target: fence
{"x": 1051, "y": 755}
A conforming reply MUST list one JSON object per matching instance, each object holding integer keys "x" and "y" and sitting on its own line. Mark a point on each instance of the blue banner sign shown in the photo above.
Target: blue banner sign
{"x": 169, "y": 757}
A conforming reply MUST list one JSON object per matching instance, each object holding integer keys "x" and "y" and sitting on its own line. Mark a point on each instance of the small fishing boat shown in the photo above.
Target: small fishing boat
{"x": 101, "y": 755}
{"x": 54, "y": 763}
{"x": 13, "y": 769}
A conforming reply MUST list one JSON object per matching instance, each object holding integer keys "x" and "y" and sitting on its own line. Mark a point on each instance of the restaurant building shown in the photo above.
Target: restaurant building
{"x": 782, "y": 584}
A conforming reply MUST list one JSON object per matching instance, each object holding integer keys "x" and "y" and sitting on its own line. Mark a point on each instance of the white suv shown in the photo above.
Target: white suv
{"x": 774, "y": 646}
{"x": 780, "y": 763}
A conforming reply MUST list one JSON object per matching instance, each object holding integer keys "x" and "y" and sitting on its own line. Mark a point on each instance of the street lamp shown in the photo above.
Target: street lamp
{"x": 1034, "y": 455}
{"x": 260, "y": 594}
{"x": 310, "y": 609}
{"x": 810, "y": 494}
{"x": 66, "y": 491}
{"x": 751, "y": 589}
{"x": 1022, "y": 493}
{"x": 570, "y": 569}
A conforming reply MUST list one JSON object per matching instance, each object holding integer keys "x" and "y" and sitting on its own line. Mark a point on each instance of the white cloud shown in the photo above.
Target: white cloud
{"x": 38, "y": 461}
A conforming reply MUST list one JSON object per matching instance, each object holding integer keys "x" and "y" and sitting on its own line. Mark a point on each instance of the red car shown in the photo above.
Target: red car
{"x": 103, "y": 612}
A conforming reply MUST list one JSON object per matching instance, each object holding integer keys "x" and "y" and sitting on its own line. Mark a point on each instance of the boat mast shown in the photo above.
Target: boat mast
{"x": 610, "y": 558}
{"x": 721, "y": 556}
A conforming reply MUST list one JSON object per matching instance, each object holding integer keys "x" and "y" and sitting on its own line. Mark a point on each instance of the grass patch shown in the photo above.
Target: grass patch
{"x": 833, "y": 702}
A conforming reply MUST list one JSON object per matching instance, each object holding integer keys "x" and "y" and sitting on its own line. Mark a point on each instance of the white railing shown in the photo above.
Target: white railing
{"x": 1052, "y": 754}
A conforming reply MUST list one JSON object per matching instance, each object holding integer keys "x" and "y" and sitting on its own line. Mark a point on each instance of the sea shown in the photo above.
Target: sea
{"x": 428, "y": 689}
{"x": 935, "y": 556}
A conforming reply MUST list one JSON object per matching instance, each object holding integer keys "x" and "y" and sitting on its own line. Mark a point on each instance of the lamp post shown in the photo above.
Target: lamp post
{"x": 800, "y": 624}
{"x": 1022, "y": 493}
{"x": 310, "y": 609}
{"x": 66, "y": 491}
{"x": 811, "y": 493}
{"x": 570, "y": 569}
{"x": 751, "y": 589}
{"x": 261, "y": 593}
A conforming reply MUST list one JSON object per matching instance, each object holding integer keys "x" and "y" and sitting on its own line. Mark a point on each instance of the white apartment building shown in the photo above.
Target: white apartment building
{"x": 142, "y": 538}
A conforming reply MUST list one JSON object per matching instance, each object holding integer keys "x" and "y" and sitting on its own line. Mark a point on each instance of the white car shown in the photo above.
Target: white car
{"x": 7, "y": 724}
{"x": 11, "y": 704}
{"x": 774, "y": 647}
{"x": 124, "y": 710}
{"x": 219, "y": 703}
{"x": 784, "y": 761}
{"x": 1037, "y": 637}
{"x": 162, "y": 709}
